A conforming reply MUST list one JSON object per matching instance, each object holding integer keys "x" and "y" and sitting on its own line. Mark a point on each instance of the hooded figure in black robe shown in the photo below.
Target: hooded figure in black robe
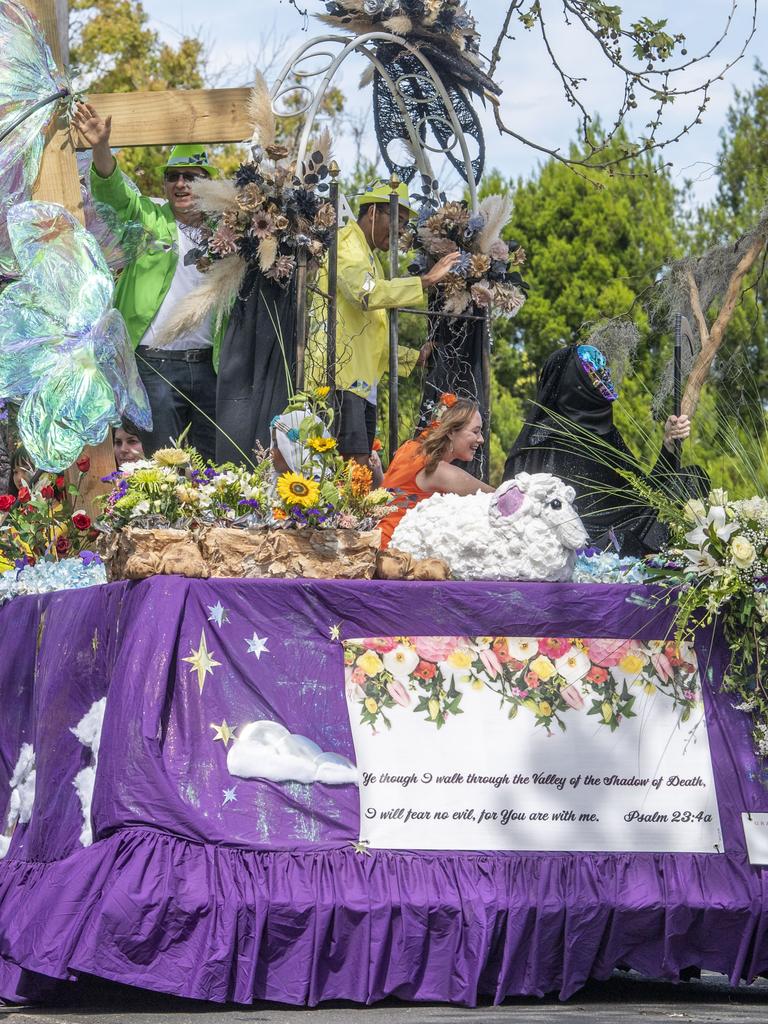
{"x": 575, "y": 385}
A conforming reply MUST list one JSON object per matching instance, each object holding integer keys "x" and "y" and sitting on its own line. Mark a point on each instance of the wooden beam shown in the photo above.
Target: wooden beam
{"x": 175, "y": 115}
{"x": 58, "y": 181}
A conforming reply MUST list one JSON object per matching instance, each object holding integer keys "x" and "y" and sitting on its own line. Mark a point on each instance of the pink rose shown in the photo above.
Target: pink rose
{"x": 554, "y": 647}
{"x": 531, "y": 680}
{"x": 398, "y": 693}
{"x": 607, "y": 652}
{"x": 491, "y": 662}
{"x": 382, "y": 644}
{"x": 572, "y": 697}
{"x": 437, "y": 648}
{"x": 358, "y": 677}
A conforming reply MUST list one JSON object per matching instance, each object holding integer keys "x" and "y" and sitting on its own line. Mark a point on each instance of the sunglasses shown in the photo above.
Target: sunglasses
{"x": 172, "y": 176}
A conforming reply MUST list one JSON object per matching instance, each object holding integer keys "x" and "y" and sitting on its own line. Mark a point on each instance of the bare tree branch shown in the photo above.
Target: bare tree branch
{"x": 650, "y": 75}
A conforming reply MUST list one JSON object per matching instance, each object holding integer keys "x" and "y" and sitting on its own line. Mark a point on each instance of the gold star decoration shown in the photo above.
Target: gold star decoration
{"x": 335, "y": 631}
{"x": 223, "y": 733}
{"x": 361, "y": 847}
{"x": 95, "y": 640}
{"x": 202, "y": 661}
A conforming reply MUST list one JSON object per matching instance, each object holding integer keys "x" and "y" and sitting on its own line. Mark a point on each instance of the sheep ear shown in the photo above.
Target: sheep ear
{"x": 510, "y": 501}
{"x": 570, "y": 494}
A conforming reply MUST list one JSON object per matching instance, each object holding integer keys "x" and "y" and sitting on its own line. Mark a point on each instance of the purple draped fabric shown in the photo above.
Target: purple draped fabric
{"x": 203, "y": 885}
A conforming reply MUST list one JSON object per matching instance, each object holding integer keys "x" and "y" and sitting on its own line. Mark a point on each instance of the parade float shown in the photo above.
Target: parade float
{"x": 301, "y": 789}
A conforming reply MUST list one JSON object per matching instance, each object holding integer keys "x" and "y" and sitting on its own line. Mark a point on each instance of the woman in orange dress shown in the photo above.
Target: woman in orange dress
{"x": 424, "y": 467}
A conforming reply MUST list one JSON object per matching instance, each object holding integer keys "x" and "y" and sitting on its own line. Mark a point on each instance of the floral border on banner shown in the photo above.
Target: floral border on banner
{"x": 547, "y": 677}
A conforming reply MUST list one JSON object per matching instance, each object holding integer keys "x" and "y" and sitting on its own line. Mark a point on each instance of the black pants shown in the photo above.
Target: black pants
{"x": 187, "y": 395}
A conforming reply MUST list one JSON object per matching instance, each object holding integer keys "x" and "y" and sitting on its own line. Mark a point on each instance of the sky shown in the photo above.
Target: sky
{"x": 243, "y": 34}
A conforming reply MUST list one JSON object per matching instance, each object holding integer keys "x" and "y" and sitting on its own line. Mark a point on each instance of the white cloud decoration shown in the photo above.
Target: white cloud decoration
{"x": 267, "y": 750}
{"x": 22, "y": 795}
{"x": 88, "y": 731}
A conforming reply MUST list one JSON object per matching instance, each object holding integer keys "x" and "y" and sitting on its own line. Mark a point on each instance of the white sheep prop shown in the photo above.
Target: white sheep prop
{"x": 527, "y": 529}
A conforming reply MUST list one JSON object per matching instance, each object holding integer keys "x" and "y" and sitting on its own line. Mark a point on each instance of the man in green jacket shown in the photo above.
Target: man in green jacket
{"x": 180, "y": 377}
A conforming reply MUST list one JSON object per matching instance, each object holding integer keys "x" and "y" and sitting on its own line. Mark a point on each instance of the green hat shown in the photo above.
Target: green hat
{"x": 380, "y": 192}
{"x": 189, "y": 155}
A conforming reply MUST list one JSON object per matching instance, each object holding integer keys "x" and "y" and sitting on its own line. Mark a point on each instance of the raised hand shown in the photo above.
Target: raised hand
{"x": 94, "y": 129}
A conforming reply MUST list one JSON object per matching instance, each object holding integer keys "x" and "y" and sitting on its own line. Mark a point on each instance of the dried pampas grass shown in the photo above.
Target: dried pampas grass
{"x": 399, "y": 26}
{"x": 260, "y": 113}
{"x": 215, "y": 296}
{"x": 497, "y": 211}
{"x": 267, "y": 252}
{"x": 215, "y": 195}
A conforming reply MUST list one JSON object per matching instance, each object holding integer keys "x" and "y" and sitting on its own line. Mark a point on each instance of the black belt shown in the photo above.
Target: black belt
{"x": 185, "y": 355}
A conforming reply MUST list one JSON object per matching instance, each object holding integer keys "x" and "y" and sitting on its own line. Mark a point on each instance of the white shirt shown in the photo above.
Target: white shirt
{"x": 185, "y": 280}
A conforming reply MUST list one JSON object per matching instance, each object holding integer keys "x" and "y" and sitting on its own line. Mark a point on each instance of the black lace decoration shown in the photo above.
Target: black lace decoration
{"x": 427, "y": 112}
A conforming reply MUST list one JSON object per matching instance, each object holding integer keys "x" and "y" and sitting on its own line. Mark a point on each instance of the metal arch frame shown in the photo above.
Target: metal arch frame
{"x": 359, "y": 45}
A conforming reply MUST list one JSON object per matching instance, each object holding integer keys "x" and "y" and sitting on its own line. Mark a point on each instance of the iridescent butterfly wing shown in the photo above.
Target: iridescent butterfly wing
{"x": 28, "y": 76}
{"x": 64, "y": 351}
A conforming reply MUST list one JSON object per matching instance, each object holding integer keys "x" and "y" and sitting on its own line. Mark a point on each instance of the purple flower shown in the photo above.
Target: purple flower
{"x": 210, "y": 474}
{"x": 111, "y": 477}
{"x": 90, "y": 558}
{"x": 3, "y": 411}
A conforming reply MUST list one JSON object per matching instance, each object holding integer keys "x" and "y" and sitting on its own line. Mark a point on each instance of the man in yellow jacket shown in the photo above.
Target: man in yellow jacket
{"x": 364, "y": 298}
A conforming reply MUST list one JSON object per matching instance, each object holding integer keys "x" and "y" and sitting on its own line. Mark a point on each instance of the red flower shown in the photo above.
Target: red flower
{"x": 597, "y": 675}
{"x": 60, "y": 481}
{"x": 425, "y": 670}
{"x": 24, "y": 494}
{"x": 554, "y": 647}
{"x": 62, "y": 545}
{"x": 83, "y": 463}
{"x": 47, "y": 491}
{"x": 448, "y": 399}
{"x": 81, "y": 521}
{"x": 7, "y": 501}
{"x": 377, "y": 445}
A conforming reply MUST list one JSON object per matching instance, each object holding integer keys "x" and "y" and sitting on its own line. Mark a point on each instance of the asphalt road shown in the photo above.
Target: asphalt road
{"x": 624, "y": 998}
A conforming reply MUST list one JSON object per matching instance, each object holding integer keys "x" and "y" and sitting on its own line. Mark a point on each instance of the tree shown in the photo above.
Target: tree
{"x": 593, "y": 252}
{"x": 115, "y": 51}
{"x": 742, "y": 168}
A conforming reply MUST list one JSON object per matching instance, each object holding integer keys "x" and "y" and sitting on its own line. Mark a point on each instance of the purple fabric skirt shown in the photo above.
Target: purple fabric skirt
{"x": 267, "y": 898}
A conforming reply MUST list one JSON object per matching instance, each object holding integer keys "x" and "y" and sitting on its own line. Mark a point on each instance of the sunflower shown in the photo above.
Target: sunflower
{"x": 295, "y": 489}
{"x": 321, "y": 444}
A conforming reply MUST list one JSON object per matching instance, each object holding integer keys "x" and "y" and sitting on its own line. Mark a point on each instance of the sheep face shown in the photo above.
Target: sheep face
{"x": 543, "y": 497}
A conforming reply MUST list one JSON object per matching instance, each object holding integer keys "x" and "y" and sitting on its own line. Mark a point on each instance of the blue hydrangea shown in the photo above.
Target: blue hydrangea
{"x": 463, "y": 264}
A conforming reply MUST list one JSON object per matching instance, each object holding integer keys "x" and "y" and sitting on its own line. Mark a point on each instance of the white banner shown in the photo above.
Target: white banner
{"x": 521, "y": 743}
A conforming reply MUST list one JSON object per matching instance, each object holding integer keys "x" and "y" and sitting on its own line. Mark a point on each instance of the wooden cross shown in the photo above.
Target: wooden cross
{"x": 139, "y": 119}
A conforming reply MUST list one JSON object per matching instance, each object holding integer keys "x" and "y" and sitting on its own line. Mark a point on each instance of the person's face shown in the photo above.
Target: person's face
{"x": 128, "y": 447}
{"x": 467, "y": 439}
{"x": 379, "y": 221}
{"x": 22, "y": 474}
{"x": 178, "y": 189}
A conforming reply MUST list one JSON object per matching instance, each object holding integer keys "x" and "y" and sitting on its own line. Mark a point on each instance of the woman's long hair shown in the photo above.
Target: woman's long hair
{"x": 437, "y": 438}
